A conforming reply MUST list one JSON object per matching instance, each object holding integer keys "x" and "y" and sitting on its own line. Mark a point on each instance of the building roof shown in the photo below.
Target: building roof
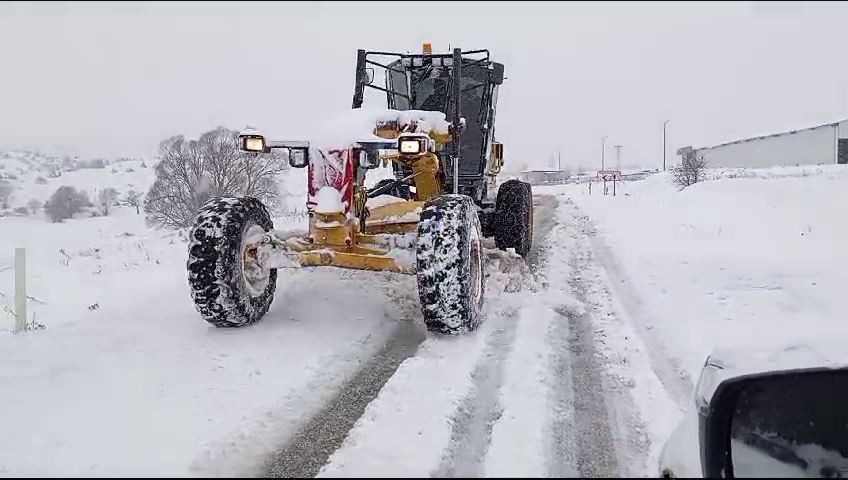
{"x": 780, "y": 134}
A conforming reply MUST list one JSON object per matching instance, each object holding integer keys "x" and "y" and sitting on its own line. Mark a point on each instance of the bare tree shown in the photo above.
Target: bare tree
{"x": 6, "y": 189}
{"x": 133, "y": 199}
{"x": 105, "y": 199}
{"x": 65, "y": 202}
{"x": 690, "y": 170}
{"x": 192, "y": 171}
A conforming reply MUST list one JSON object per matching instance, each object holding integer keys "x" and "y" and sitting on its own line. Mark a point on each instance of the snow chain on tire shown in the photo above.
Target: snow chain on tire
{"x": 215, "y": 272}
{"x": 449, "y": 258}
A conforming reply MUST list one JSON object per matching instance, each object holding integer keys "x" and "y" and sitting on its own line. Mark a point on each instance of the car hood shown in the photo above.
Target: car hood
{"x": 734, "y": 361}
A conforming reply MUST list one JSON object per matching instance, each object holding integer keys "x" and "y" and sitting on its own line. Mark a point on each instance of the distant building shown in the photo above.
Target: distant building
{"x": 819, "y": 145}
{"x": 543, "y": 177}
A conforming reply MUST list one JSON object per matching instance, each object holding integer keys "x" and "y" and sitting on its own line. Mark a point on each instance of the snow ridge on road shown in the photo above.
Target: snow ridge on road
{"x": 640, "y": 407}
{"x": 481, "y": 409}
{"x": 585, "y": 436}
{"x": 675, "y": 379}
{"x": 477, "y": 413}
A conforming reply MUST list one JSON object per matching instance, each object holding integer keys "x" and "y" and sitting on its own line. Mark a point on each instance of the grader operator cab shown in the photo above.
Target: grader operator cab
{"x": 429, "y": 220}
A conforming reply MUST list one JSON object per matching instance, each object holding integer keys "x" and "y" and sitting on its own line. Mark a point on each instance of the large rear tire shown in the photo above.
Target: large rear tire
{"x": 220, "y": 289}
{"x": 514, "y": 217}
{"x": 449, "y": 255}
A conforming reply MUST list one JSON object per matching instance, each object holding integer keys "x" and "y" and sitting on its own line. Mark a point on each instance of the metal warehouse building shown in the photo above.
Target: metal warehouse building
{"x": 542, "y": 177}
{"x": 819, "y": 145}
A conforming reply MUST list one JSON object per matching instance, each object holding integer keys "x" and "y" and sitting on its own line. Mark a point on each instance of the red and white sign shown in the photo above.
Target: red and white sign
{"x": 609, "y": 175}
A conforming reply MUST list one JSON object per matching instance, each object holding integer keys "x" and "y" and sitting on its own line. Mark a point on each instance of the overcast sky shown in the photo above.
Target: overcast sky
{"x": 111, "y": 78}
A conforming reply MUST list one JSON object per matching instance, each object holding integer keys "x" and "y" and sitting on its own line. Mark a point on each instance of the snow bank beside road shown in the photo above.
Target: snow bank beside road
{"x": 750, "y": 257}
{"x": 140, "y": 385}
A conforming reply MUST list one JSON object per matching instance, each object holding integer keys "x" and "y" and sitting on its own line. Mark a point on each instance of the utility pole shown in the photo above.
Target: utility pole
{"x": 603, "y": 149}
{"x": 664, "y": 123}
{"x": 559, "y": 161}
{"x": 618, "y": 157}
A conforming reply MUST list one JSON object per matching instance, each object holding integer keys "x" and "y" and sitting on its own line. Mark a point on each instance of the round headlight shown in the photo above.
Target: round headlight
{"x": 411, "y": 146}
{"x": 254, "y": 144}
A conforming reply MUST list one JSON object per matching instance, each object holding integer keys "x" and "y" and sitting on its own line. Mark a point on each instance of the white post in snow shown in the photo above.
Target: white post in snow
{"x": 20, "y": 290}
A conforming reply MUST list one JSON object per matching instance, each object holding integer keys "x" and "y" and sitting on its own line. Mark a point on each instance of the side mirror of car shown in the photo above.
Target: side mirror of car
{"x": 787, "y": 423}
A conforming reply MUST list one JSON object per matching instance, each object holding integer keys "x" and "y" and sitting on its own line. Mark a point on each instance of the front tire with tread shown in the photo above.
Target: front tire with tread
{"x": 449, "y": 256}
{"x": 514, "y": 217}
{"x": 215, "y": 262}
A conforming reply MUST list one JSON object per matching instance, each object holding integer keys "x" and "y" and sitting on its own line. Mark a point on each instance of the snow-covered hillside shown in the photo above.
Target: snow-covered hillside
{"x": 87, "y": 252}
{"x": 35, "y": 176}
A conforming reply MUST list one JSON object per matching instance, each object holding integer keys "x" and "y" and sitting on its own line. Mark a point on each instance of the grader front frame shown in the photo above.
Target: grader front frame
{"x": 235, "y": 254}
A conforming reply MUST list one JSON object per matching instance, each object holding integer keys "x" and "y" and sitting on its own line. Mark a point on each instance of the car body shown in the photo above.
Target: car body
{"x": 699, "y": 447}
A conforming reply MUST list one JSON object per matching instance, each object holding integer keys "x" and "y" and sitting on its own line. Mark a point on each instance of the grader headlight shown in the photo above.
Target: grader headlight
{"x": 413, "y": 145}
{"x": 253, "y": 143}
{"x": 410, "y": 146}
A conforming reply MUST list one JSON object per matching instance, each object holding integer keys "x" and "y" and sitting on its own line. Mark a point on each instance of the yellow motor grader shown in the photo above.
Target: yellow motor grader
{"x": 429, "y": 220}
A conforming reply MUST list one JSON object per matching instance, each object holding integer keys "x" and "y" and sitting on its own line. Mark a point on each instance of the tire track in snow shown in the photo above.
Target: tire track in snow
{"x": 623, "y": 364}
{"x": 596, "y": 429}
{"x": 480, "y": 409}
{"x": 472, "y": 423}
{"x": 619, "y": 361}
{"x": 596, "y": 456}
{"x": 674, "y": 378}
{"x": 311, "y": 447}
{"x": 562, "y": 457}
{"x": 581, "y": 440}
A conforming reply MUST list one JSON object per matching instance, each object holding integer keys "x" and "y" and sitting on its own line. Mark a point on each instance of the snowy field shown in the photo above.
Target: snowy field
{"x": 582, "y": 371}
{"x": 750, "y": 257}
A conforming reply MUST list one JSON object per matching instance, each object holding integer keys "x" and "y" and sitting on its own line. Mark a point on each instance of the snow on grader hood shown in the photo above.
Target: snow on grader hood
{"x": 409, "y": 225}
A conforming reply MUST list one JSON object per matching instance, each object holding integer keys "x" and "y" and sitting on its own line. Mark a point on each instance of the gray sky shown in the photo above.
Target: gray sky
{"x": 116, "y": 77}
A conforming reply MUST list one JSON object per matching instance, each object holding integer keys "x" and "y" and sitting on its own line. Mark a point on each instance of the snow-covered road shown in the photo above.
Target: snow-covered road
{"x": 534, "y": 392}
{"x": 339, "y": 379}
{"x": 581, "y": 367}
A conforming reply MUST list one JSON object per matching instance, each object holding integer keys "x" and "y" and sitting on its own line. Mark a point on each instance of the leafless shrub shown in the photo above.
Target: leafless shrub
{"x": 690, "y": 170}
{"x": 66, "y": 202}
{"x": 132, "y": 199}
{"x": 105, "y": 199}
{"x": 192, "y": 171}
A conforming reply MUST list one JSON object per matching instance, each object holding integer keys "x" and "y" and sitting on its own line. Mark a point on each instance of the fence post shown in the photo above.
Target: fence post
{"x": 20, "y": 290}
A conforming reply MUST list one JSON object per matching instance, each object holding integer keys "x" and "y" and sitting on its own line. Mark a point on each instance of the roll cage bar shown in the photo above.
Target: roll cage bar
{"x": 455, "y": 63}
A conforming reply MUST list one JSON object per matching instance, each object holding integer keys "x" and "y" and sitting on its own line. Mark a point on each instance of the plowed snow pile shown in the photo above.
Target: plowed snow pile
{"x": 748, "y": 257}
